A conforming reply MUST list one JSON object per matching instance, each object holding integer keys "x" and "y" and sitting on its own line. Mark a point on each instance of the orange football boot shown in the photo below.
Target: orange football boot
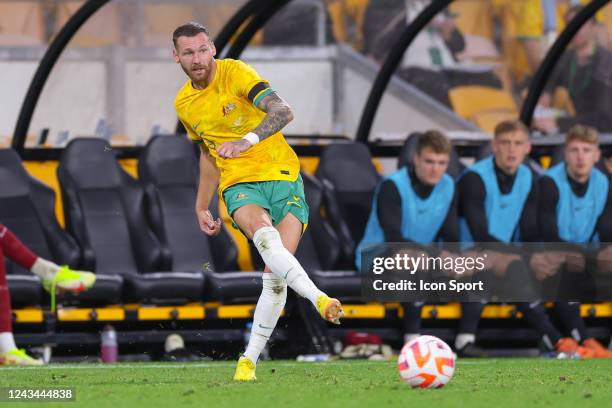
{"x": 598, "y": 348}
{"x": 569, "y": 345}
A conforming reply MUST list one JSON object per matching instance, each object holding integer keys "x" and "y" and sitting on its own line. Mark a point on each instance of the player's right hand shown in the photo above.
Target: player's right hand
{"x": 208, "y": 224}
{"x": 604, "y": 261}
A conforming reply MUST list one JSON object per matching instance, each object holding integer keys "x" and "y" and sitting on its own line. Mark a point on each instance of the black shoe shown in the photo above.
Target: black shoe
{"x": 471, "y": 350}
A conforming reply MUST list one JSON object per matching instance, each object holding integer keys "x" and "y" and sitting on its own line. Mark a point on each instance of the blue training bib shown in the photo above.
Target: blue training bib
{"x": 503, "y": 211}
{"x": 577, "y": 216}
{"x": 421, "y": 218}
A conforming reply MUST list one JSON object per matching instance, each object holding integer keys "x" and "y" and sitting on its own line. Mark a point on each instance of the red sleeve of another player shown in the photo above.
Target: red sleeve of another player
{"x": 15, "y": 249}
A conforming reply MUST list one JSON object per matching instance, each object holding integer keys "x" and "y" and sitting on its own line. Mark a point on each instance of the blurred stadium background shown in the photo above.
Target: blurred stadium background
{"x": 114, "y": 84}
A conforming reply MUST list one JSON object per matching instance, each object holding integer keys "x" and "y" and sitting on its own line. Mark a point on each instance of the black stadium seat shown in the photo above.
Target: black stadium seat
{"x": 105, "y": 210}
{"x": 406, "y": 156}
{"x": 319, "y": 251}
{"x": 27, "y": 208}
{"x": 168, "y": 171}
{"x": 350, "y": 179}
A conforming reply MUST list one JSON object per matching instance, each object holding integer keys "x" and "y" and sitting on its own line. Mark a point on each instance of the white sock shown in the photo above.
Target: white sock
{"x": 408, "y": 337}
{"x": 268, "y": 310}
{"x": 548, "y": 342}
{"x": 7, "y": 342}
{"x": 44, "y": 269}
{"x": 283, "y": 264}
{"x": 463, "y": 339}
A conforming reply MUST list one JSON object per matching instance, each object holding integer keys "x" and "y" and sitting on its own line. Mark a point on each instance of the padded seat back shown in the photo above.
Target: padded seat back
{"x": 168, "y": 170}
{"x": 467, "y": 101}
{"x": 104, "y": 209}
{"x": 348, "y": 169}
{"x": 319, "y": 248}
{"x": 27, "y": 208}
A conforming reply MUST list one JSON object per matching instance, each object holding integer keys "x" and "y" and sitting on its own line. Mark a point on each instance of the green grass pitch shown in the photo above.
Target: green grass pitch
{"x": 477, "y": 383}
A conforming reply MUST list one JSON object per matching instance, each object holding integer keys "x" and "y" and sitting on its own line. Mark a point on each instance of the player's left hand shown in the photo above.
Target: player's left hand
{"x": 546, "y": 264}
{"x": 229, "y": 150}
{"x": 575, "y": 262}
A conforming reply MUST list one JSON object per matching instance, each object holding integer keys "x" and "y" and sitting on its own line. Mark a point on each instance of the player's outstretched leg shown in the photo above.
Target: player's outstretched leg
{"x": 283, "y": 264}
{"x": 268, "y": 310}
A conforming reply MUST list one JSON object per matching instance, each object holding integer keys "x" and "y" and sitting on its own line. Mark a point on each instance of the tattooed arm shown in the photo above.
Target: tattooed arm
{"x": 278, "y": 115}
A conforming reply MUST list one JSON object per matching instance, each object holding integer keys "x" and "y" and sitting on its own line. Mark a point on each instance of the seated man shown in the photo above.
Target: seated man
{"x": 403, "y": 209}
{"x": 51, "y": 275}
{"x": 431, "y": 63}
{"x": 536, "y": 24}
{"x": 498, "y": 203}
{"x": 585, "y": 73}
{"x": 575, "y": 207}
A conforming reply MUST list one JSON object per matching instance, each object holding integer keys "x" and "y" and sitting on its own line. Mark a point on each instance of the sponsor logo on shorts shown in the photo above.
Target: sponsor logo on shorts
{"x": 241, "y": 196}
{"x": 295, "y": 202}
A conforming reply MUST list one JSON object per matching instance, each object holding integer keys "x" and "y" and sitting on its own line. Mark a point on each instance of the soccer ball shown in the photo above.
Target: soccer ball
{"x": 426, "y": 362}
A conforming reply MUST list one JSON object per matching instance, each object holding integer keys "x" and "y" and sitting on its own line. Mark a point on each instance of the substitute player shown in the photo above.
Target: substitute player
{"x": 498, "y": 202}
{"x": 50, "y": 275}
{"x": 416, "y": 204}
{"x": 575, "y": 207}
{"x": 236, "y": 118}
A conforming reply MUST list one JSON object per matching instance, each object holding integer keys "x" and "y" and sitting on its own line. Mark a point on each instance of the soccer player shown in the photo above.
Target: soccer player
{"x": 575, "y": 207}
{"x": 50, "y": 275}
{"x": 498, "y": 199}
{"x": 236, "y": 118}
{"x": 416, "y": 204}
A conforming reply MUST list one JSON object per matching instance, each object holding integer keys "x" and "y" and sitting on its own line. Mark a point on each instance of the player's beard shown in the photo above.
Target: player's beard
{"x": 197, "y": 77}
{"x": 199, "y": 73}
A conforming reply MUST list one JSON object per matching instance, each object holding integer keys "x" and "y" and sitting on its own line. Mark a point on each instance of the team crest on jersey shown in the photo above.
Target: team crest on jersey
{"x": 227, "y": 109}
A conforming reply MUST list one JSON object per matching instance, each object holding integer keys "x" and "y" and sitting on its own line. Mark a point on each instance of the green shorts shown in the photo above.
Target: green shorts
{"x": 278, "y": 197}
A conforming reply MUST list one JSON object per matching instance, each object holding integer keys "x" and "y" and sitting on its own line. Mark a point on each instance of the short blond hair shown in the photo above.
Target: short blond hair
{"x": 510, "y": 126}
{"x": 582, "y": 133}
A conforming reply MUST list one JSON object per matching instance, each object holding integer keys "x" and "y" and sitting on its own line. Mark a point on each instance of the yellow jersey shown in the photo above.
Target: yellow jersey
{"x": 532, "y": 17}
{"x": 225, "y": 111}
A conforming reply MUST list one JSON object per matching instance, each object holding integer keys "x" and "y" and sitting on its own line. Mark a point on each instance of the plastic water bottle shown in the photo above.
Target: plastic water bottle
{"x": 109, "y": 349}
